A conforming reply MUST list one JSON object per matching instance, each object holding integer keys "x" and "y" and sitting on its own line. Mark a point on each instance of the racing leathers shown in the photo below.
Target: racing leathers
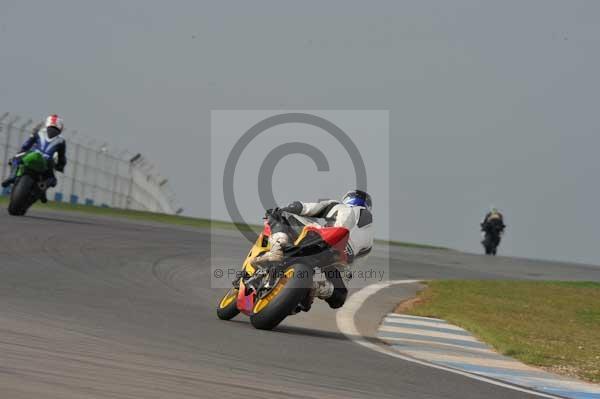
{"x": 357, "y": 219}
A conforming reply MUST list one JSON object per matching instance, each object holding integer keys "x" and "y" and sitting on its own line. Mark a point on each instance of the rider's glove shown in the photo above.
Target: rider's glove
{"x": 274, "y": 212}
{"x": 295, "y": 207}
{"x": 36, "y": 128}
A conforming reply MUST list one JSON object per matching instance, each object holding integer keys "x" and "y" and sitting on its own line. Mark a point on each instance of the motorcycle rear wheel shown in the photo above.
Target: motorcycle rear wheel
{"x": 292, "y": 288}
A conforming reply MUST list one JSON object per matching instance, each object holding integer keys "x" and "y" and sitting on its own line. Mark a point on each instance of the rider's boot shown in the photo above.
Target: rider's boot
{"x": 43, "y": 197}
{"x": 333, "y": 292}
{"x": 275, "y": 254}
{"x": 323, "y": 289}
{"x": 13, "y": 173}
{"x": 8, "y": 182}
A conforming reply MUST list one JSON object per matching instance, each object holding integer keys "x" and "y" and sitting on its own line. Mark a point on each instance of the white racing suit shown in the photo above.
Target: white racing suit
{"x": 359, "y": 222}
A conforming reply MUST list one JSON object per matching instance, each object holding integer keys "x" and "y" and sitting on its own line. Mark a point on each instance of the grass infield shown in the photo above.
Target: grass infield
{"x": 554, "y": 325}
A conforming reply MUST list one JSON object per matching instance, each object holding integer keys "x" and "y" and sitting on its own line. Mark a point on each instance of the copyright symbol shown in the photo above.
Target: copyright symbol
{"x": 267, "y": 169}
{"x": 218, "y": 273}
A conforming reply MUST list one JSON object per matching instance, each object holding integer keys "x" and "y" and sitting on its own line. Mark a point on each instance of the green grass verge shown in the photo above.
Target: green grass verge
{"x": 170, "y": 219}
{"x": 555, "y": 325}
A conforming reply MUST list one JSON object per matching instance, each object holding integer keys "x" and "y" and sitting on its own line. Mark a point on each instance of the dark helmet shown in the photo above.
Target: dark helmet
{"x": 358, "y": 198}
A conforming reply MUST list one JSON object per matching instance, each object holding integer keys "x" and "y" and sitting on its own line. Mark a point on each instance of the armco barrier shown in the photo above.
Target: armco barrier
{"x": 96, "y": 173}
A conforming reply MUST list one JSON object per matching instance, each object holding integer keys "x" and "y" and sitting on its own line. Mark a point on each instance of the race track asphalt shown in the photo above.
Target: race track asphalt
{"x": 95, "y": 307}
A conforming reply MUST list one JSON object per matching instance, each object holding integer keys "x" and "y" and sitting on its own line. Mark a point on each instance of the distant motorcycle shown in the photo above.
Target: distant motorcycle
{"x": 270, "y": 294}
{"x": 492, "y": 238}
{"x": 32, "y": 181}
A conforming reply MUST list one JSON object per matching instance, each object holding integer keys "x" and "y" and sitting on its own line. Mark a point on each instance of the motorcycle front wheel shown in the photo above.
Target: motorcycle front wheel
{"x": 20, "y": 198}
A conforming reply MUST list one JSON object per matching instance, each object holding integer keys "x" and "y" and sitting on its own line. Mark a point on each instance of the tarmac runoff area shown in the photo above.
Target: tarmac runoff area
{"x": 96, "y": 307}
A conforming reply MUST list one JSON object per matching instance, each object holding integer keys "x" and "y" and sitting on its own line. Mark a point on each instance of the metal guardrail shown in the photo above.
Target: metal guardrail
{"x": 96, "y": 173}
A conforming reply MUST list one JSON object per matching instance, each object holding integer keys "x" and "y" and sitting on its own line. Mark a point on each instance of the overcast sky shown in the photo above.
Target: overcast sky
{"x": 489, "y": 102}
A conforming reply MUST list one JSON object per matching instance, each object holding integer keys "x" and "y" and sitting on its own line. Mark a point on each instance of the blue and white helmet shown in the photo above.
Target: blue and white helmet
{"x": 358, "y": 198}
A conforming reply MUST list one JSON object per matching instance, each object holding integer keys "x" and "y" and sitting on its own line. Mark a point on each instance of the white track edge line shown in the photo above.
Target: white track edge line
{"x": 345, "y": 323}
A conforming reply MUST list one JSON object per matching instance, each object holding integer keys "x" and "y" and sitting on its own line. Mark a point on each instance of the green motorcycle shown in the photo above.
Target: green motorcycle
{"x": 31, "y": 182}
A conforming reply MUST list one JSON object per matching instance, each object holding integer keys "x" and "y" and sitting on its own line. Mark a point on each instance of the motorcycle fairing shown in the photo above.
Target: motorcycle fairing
{"x": 33, "y": 161}
{"x": 318, "y": 246}
{"x": 322, "y": 242}
{"x": 245, "y": 303}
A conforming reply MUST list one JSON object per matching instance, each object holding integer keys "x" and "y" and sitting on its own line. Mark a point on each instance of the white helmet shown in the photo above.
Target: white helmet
{"x": 55, "y": 121}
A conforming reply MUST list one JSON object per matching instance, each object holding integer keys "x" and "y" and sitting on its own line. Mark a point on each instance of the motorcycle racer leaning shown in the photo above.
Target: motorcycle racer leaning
{"x": 46, "y": 140}
{"x": 353, "y": 213}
